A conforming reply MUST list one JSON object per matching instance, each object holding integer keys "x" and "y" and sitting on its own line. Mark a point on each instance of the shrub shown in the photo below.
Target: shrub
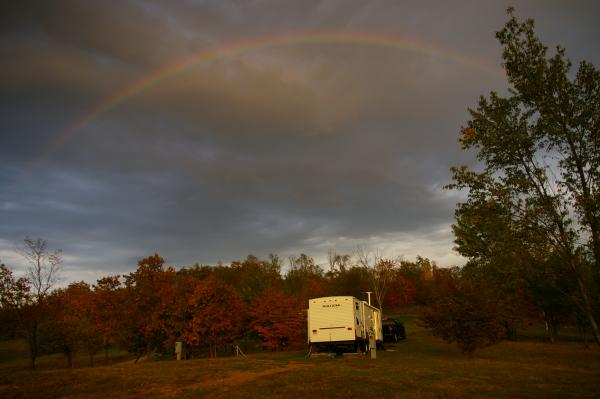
{"x": 464, "y": 311}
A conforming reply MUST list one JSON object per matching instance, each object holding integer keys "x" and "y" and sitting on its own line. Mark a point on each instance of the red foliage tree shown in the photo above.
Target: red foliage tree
{"x": 400, "y": 291}
{"x": 108, "y": 295}
{"x": 464, "y": 311}
{"x": 279, "y": 320}
{"x": 146, "y": 290}
{"x": 216, "y": 312}
{"x": 176, "y": 311}
{"x": 72, "y": 323}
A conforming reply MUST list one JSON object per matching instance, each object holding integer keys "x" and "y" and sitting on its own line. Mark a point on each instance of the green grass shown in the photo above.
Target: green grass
{"x": 420, "y": 367}
{"x": 565, "y": 333}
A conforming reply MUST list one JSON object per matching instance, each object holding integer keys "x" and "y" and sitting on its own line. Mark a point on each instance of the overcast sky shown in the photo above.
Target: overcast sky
{"x": 303, "y": 126}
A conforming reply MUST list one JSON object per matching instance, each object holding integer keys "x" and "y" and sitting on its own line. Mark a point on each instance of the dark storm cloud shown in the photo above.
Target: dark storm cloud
{"x": 127, "y": 32}
{"x": 288, "y": 149}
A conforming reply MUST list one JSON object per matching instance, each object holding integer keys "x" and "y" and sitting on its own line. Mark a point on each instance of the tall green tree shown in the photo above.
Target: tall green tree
{"x": 252, "y": 276}
{"x": 355, "y": 281}
{"x": 539, "y": 151}
{"x": 305, "y": 279}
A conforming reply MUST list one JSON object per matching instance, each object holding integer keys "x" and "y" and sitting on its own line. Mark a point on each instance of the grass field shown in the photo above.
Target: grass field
{"x": 420, "y": 367}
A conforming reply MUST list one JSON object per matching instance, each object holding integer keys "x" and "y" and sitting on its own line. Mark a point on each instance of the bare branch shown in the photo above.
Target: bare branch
{"x": 44, "y": 265}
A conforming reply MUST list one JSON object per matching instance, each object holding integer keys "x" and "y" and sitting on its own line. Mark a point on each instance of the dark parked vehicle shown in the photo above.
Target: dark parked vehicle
{"x": 393, "y": 330}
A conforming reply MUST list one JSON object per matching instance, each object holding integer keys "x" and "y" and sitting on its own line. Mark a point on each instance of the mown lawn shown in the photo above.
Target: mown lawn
{"x": 421, "y": 366}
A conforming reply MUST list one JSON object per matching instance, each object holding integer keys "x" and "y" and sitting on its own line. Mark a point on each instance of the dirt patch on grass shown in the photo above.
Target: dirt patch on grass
{"x": 231, "y": 381}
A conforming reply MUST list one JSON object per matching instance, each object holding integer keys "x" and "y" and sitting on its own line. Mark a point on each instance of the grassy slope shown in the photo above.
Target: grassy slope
{"x": 421, "y": 366}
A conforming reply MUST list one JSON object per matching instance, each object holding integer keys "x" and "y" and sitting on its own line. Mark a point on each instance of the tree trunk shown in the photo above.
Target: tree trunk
{"x": 511, "y": 331}
{"x": 551, "y": 326}
{"x": 588, "y": 211}
{"x": 593, "y": 323}
{"x": 587, "y": 306}
{"x": 582, "y": 332}
{"x": 553, "y": 332}
{"x": 106, "y": 344}
{"x": 32, "y": 343}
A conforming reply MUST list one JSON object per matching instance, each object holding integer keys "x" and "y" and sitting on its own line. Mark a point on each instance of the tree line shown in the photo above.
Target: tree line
{"x": 208, "y": 308}
{"x": 254, "y": 302}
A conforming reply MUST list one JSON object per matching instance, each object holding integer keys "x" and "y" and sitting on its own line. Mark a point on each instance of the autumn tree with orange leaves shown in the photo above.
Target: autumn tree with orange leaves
{"x": 216, "y": 313}
{"x": 145, "y": 290}
{"x": 400, "y": 292}
{"x": 279, "y": 320}
{"x": 72, "y": 325}
{"x": 108, "y": 294}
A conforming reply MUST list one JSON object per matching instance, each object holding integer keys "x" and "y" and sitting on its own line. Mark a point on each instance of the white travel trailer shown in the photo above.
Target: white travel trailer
{"x": 342, "y": 322}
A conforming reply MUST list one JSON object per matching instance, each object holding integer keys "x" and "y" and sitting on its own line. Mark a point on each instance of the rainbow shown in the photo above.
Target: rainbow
{"x": 241, "y": 47}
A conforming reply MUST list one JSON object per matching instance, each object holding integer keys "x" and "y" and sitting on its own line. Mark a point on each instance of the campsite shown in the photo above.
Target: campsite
{"x": 299, "y": 199}
{"x": 419, "y": 367}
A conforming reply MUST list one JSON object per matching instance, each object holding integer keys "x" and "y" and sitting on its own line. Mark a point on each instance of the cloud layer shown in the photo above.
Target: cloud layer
{"x": 287, "y": 149}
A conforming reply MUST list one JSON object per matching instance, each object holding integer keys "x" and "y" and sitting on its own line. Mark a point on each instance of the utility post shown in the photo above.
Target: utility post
{"x": 178, "y": 349}
{"x": 372, "y": 343}
{"x": 368, "y": 296}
